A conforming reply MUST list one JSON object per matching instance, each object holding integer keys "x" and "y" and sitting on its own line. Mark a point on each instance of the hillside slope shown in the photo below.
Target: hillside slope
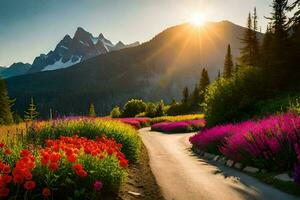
{"x": 157, "y": 69}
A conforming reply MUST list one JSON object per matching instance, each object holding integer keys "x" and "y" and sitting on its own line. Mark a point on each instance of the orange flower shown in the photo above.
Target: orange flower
{"x": 29, "y": 185}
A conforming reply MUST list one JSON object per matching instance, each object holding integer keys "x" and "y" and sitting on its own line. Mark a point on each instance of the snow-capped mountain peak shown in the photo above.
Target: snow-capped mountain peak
{"x": 70, "y": 51}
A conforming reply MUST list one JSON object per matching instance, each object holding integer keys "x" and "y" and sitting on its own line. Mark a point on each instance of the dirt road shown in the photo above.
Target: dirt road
{"x": 183, "y": 176}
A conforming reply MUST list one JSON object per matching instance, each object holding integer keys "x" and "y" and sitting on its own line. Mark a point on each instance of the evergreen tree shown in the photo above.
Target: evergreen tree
{"x": 295, "y": 20}
{"x": 219, "y": 74}
{"x": 31, "y": 113}
{"x": 228, "y": 64}
{"x": 246, "y": 57}
{"x": 204, "y": 82}
{"x": 6, "y": 116}
{"x": 277, "y": 70}
{"x": 195, "y": 95}
{"x": 266, "y": 48}
{"x": 255, "y": 42}
{"x": 92, "y": 112}
{"x": 160, "y": 109}
{"x": 185, "y": 95}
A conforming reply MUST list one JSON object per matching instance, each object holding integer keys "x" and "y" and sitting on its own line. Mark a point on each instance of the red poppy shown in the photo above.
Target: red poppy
{"x": 46, "y": 192}
{"x": 53, "y": 166}
{"x": 29, "y": 185}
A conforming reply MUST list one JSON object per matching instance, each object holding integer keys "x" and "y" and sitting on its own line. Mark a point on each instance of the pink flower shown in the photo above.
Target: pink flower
{"x": 98, "y": 185}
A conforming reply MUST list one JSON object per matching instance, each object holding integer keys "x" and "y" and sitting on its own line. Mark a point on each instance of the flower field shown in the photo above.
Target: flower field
{"x": 78, "y": 158}
{"x": 138, "y": 122}
{"x": 176, "y": 118}
{"x": 271, "y": 143}
{"x": 179, "y": 127}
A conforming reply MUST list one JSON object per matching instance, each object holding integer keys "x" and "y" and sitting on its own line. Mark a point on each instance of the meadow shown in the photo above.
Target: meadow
{"x": 66, "y": 158}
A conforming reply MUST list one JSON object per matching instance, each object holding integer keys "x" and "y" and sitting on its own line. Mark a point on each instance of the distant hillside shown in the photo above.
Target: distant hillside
{"x": 155, "y": 70}
{"x": 15, "y": 69}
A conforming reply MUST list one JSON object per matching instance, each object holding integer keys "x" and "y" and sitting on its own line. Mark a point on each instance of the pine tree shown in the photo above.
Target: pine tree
{"x": 278, "y": 63}
{"x": 92, "y": 112}
{"x": 255, "y": 42}
{"x": 6, "y": 116}
{"x": 160, "y": 109}
{"x": 247, "y": 50}
{"x": 195, "y": 95}
{"x": 219, "y": 74}
{"x": 295, "y": 20}
{"x": 185, "y": 94}
{"x": 31, "y": 113}
{"x": 204, "y": 82}
{"x": 228, "y": 64}
{"x": 266, "y": 48}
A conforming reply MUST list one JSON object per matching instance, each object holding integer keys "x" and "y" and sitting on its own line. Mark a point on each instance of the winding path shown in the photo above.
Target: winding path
{"x": 183, "y": 176}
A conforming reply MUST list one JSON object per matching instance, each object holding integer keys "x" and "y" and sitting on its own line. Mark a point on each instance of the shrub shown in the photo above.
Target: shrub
{"x": 115, "y": 112}
{"x": 179, "y": 127}
{"x": 133, "y": 107}
{"x": 69, "y": 167}
{"x": 137, "y": 122}
{"x": 268, "y": 143}
{"x": 176, "y": 118}
{"x": 90, "y": 128}
{"x": 232, "y": 99}
{"x": 151, "y": 110}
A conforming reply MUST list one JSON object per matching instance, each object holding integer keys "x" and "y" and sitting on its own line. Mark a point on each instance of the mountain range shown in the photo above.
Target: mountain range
{"x": 157, "y": 69}
{"x": 68, "y": 52}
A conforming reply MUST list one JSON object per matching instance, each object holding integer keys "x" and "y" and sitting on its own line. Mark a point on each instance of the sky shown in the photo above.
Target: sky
{"x": 31, "y": 27}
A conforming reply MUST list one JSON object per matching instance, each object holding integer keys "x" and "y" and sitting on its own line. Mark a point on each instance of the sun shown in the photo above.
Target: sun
{"x": 197, "y": 19}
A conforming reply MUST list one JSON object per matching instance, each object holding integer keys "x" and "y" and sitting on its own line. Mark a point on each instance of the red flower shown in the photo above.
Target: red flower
{"x": 44, "y": 161}
{"x": 71, "y": 158}
{"x": 123, "y": 163}
{"x": 2, "y": 145}
{"x": 24, "y": 153}
{"x": 53, "y": 166}
{"x": 7, "y": 151}
{"x": 6, "y": 169}
{"x": 29, "y": 185}
{"x": 77, "y": 167}
{"x": 6, "y": 178}
{"x": 46, "y": 192}
{"x": 81, "y": 173}
{"x": 18, "y": 178}
{"x": 4, "y": 192}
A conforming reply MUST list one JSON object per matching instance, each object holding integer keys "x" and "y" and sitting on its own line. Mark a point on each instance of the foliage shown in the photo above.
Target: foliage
{"x": 134, "y": 107}
{"x": 228, "y": 64}
{"x": 232, "y": 99}
{"x": 116, "y": 112}
{"x": 185, "y": 95}
{"x": 150, "y": 110}
{"x": 88, "y": 127}
{"x": 136, "y": 122}
{"x": 179, "y": 126}
{"x": 92, "y": 112}
{"x": 69, "y": 167}
{"x": 176, "y": 118}
{"x": 31, "y": 113}
{"x": 6, "y": 116}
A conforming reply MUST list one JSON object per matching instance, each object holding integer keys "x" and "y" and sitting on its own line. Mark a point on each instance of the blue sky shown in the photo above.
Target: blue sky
{"x": 31, "y": 27}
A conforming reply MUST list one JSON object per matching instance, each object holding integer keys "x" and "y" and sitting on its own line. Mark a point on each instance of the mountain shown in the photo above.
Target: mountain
{"x": 70, "y": 51}
{"x": 15, "y": 69}
{"x": 157, "y": 69}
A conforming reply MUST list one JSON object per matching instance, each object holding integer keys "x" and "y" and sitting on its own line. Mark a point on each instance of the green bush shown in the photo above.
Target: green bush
{"x": 89, "y": 128}
{"x": 115, "y": 112}
{"x": 233, "y": 99}
{"x": 134, "y": 107}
